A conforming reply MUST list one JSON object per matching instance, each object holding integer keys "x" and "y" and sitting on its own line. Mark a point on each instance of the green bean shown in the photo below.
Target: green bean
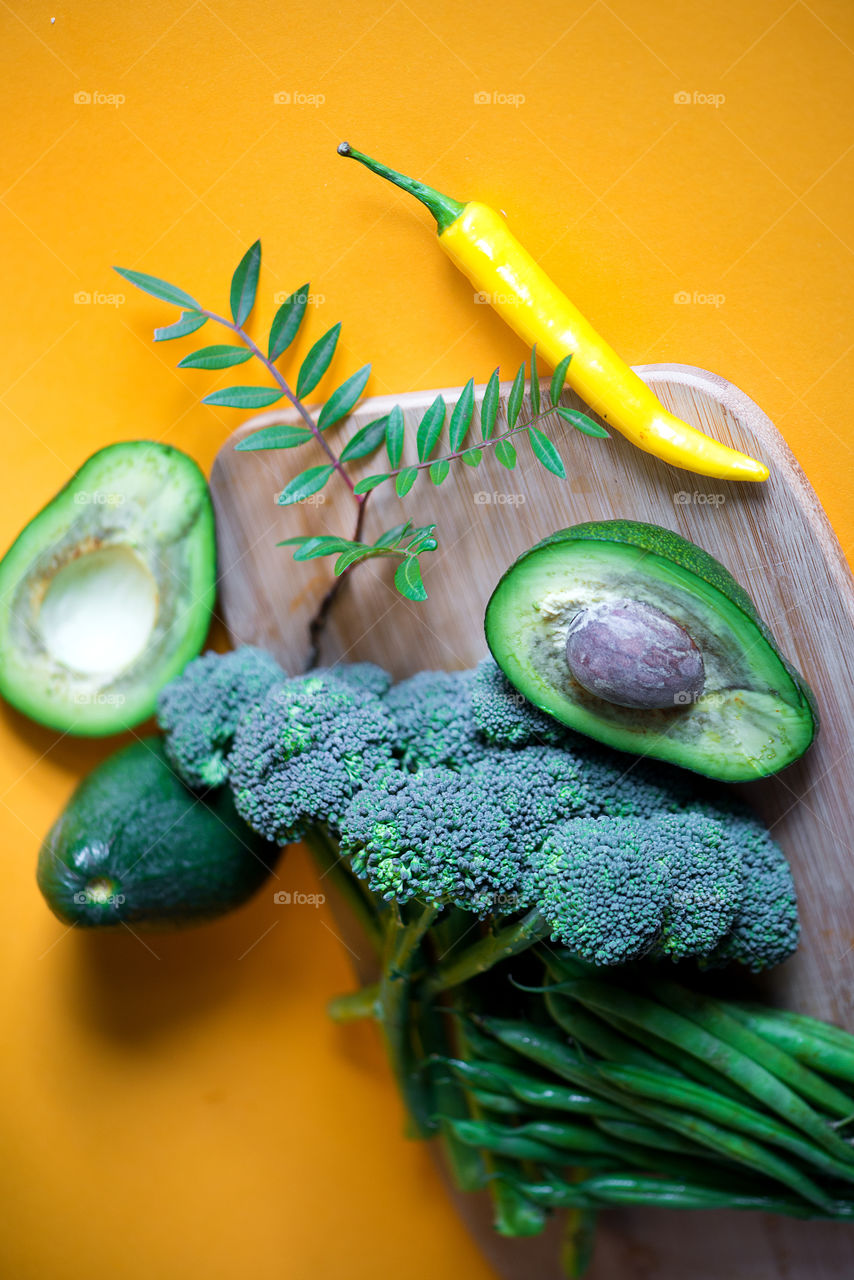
{"x": 730, "y": 1145}
{"x": 712, "y": 1015}
{"x": 514, "y": 1213}
{"x": 574, "y": 1139}
{"x": 503, "y": 1141}
{"x": 499, "y": 1103}
{"x": 477, "y": 1075}
{"x": 634, "y": 1189}
{"x": 695, "y": 1098}
{"x": 556, "y": 1097}
{"x": 485, "y": 1048}
{"x": 731, "y": 1062}
{"x": 823, "y": 1054}
{"x": 646, "y": 1135}
{"x": 594, "y": 1034}
{"x": 447, "y": 1097}
{"x": 688, "y": 1067}
{"x": 577, "y": 1242}
{"x": 809, "y": 1026}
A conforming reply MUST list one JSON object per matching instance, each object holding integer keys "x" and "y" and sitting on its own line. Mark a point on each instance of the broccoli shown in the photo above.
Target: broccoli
{"x": 199, "y": 710}
{"x": 435, "y": 724}
{"x": 603, "y": 887}
{"x": 366, "y": 676}
{"x": 765, "y": 930}
{"x": 505, "y": 718}
{"x": 302, "y": 753}
{"x": 615, "y": 888}
{"x": 432, "y": 835}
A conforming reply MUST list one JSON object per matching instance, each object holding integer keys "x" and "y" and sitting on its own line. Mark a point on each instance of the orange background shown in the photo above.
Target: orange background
{"x": 188, "y": 1109}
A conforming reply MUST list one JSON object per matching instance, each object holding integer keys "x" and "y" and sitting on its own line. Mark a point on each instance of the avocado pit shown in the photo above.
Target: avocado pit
{"x": 633, "y": 655}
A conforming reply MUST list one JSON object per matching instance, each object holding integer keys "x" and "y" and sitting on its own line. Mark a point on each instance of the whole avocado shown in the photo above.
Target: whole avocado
{"x": 135, "y": 846}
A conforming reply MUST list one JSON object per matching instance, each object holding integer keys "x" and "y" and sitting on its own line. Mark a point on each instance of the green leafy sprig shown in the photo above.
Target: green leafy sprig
{"x": 402, "y": 542}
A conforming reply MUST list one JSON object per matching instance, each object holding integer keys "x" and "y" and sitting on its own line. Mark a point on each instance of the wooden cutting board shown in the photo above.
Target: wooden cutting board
{"x": 775, "y": 539}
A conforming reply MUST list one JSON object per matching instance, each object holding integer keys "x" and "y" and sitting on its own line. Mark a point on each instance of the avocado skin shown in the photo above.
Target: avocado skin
{"x": 167, "y": 856}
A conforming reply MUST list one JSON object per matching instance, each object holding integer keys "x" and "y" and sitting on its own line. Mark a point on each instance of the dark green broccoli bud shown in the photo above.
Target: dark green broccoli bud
{"x": 505, "y": 717}
{"x": 765, "y": 930}
{"x": 432, "y": 835}
{"x": 301, "y": 754}
{"x": 199, "y": 710}
{"x": 603, "y": 887}
{"x": 434, "y": 719}
{"x": 705, "y": 882}
{"x": 358, "y": 675}
{"x": 537, "y": 788}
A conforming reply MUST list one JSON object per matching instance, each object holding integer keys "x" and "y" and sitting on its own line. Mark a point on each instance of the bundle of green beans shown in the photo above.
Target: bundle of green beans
{"x": 614, "y": 1088}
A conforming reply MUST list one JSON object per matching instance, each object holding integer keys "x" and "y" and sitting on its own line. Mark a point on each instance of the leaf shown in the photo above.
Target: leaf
{"x": 287, "y": 321}
{"x": 344, "y": 398}
{"x": 369, "y": 483}
{"x": 472, "y": 457}
{"x": 489, "y": 406}
{"x": 535, "y": 382}
{"x": 392, "y": 536}
{"x": 366, "y": 440}
{"x": 408, "y": 580}
{"x": 461, "y": 416}
{"x": 514, "y": 402}
{"x": 244, "y": 284}
{"x": 394, "y": 437}
{"x": 353, "y": 556}
{"x": 215, "y": 358}
{"x": 430, "y": 428}
{"x": 559, "y": 378}
{"x": 546, "y": 453}
{"x": 581, "y": 422}
{"x": 505, "y": 454}
{"x": 422, "y": 539}
{"x": 315, "y": 548}
{"x": 159, "y": 288}
{"x": 278, "y": 437}
{"x": 244, "y": 397}
{"x": 405, "y": 481}
{"x": 439, "y": 471}
{"x": 317, "y": 361}
{"x": 190, "y": 321}
{"x": 305, "y": 484}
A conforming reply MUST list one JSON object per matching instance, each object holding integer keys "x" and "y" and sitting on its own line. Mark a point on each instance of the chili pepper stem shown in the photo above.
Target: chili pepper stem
{"x": 443, "y": 208}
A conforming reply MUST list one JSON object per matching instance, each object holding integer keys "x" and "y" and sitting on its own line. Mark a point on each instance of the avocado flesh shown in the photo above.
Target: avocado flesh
{"x": 107, "y": 592}
{"x": 754, "y": 716}
{"x": 135, "y": 846}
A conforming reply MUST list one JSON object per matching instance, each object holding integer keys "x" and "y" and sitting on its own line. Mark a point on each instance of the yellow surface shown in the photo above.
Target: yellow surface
{"x": 187, "y": 1110}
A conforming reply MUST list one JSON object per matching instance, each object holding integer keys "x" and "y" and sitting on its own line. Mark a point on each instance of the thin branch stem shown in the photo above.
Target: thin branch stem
{"x": 289, "y": 395}
{"x": 471, "y": 448}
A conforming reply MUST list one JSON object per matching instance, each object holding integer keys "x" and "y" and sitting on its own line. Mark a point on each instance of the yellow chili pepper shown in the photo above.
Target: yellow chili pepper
{"x": 479, "y": 241}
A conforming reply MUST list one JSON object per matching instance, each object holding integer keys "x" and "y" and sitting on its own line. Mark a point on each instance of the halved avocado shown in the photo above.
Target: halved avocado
{"x": 107, "y": 593}
{"x": 747, "y": 715}
{"x": 135, "y": 846}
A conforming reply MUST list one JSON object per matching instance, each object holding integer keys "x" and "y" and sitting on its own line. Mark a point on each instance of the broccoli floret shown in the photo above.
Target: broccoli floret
{"x": 613, "y": 889}
{"x": 435, "y": 725}
{"x": 505, "y": 717}
{"x": 537, "y": 788}
{"x": 705, "y": 883}
{"x": 200, "y": 709}
{"x": 603, "y": 888}
{"x": 432, "y": 835}
{"x": 766, "y": 930}
{"x": 359, "y": 675}
{"x": 301, "y": 754}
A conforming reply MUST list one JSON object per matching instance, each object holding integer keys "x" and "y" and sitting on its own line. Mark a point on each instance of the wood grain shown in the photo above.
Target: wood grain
{"x": 777, "y": 542}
